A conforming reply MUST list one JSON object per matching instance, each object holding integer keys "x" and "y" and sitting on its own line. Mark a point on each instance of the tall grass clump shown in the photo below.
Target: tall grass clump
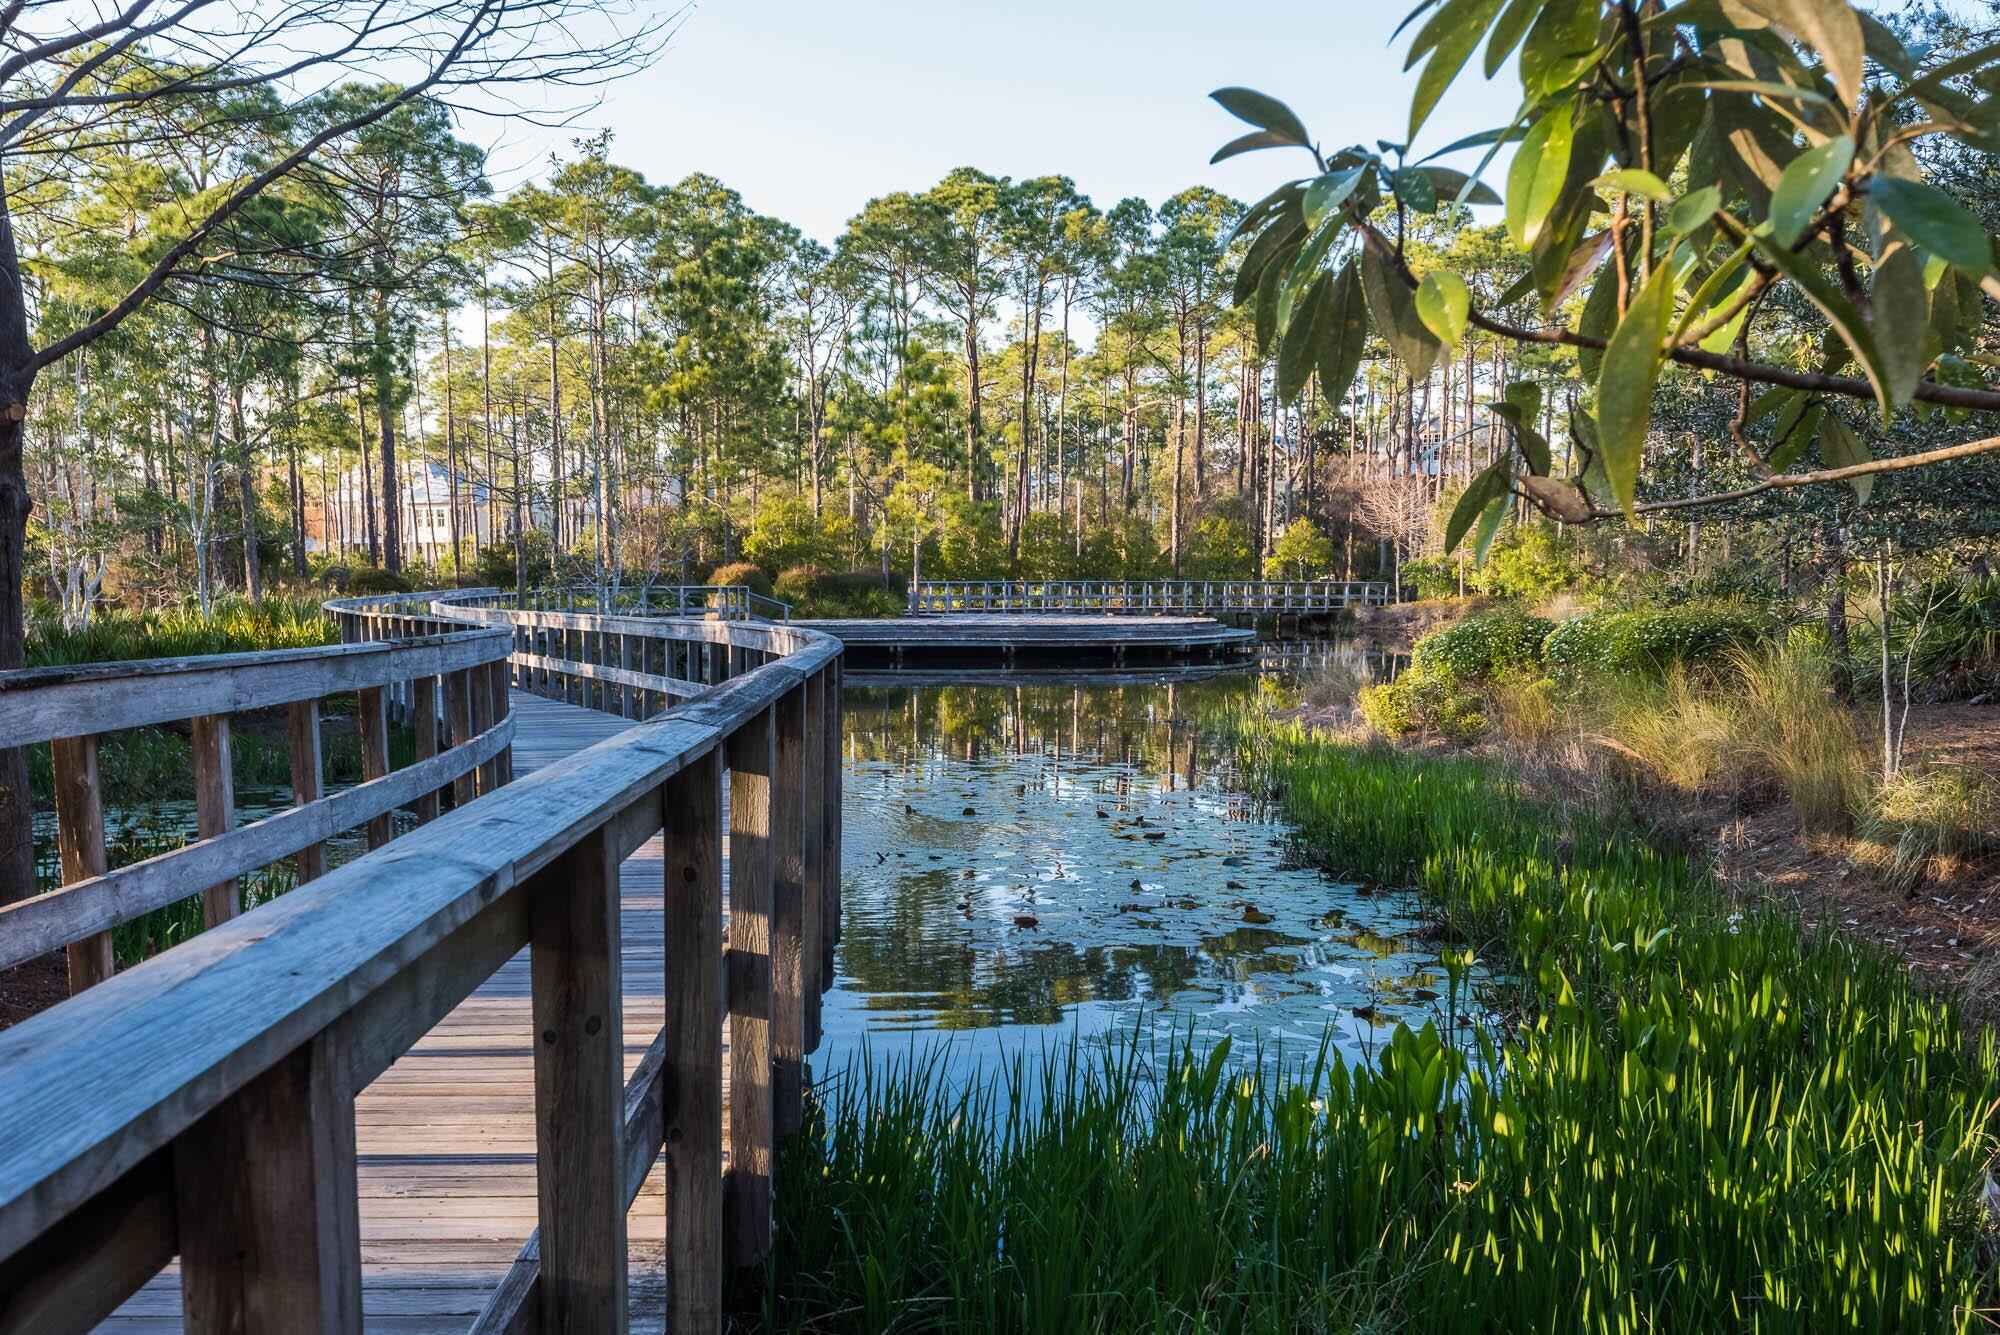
{"x": 1928, "y": 822}
{"x": 235, "y": 625}
{"x": 1681, "y": 725}
{"x": 1791, "y": 725}
{"x": 1680, "y": 1116}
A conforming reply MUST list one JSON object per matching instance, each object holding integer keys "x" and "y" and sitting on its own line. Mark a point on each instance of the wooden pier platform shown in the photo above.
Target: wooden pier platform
{"x": 446, "y": 1136}
{"x": 1000, "y": 639}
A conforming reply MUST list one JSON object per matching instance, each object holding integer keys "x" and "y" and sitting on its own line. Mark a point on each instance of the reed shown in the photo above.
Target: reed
{"x": 1686, "y": 1116}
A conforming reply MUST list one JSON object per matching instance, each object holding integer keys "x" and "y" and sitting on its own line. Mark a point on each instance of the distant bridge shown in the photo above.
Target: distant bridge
{"x": 1148, "y": 597}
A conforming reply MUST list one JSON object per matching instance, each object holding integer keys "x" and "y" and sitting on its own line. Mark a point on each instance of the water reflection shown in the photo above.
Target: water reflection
{"x": 1024, "y": 857}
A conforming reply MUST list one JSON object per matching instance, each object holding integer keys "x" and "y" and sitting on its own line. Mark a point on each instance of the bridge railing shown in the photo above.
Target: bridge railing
{"x": 73, "y": 709}
{"x": 729, "y": 602}
{"x": 201, "y": 1104}
{"x": 1148, "y": 597}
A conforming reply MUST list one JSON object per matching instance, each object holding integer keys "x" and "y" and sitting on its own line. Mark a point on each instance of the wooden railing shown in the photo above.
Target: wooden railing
{"x": 1147, "y": 597}
{"x": 201, "y": 1104}
{"x": 73, "y": 708}
{"x": 730, "y": 602}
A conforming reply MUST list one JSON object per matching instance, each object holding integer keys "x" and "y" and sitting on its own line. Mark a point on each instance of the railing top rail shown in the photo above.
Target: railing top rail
{"x": 108, "y": 1078}
{"x": 38, "y": 704}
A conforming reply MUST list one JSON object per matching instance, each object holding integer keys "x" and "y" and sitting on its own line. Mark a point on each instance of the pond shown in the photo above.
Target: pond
{"x": 1028, "y": 861}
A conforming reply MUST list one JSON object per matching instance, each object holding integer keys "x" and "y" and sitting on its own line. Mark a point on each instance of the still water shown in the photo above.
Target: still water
{"x": 1024, "y": 862}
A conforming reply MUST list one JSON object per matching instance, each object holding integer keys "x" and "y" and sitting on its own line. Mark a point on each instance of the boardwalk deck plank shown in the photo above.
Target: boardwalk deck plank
{"x": 446, "y": 1136}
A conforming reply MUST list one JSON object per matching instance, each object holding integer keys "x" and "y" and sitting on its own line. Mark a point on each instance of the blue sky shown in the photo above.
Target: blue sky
{"x": 810, "y": 109}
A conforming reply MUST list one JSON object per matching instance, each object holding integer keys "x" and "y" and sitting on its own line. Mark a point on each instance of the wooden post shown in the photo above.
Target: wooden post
{"x": 423, "y": 722}
{"x": 80, "y": 840}
{"x": 458, "y": 710}
{"x": 214, "y": 807}
{"x": 812, "y": 863}
{"x": 789, "y": 971}
{"x": 500, "y": 769}
{"x": 747, "y": 1188}
{"x": 270, "y": 1238}
{"x": 692, "y": 839}
{"x": 373, "y": 720}
{"x": 479, "y": 692}
{"x": 579, "y": 1088}
{"x": 832, "y": 714}
{"x": 308, "y": 776}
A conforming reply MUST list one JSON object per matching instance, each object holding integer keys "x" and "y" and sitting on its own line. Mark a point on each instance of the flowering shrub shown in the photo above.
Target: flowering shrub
{"x": 1481, "y": 648}
{"x": 1422, "y": 700}
{"x": 1647, "y": 641}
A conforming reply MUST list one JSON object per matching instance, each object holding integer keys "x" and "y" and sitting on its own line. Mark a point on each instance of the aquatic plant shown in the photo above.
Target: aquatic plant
{"x": 1691, "y": 1116}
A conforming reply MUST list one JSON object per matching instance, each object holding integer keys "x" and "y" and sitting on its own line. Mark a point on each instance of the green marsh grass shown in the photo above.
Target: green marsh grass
{"x": 1690, "y": 1116}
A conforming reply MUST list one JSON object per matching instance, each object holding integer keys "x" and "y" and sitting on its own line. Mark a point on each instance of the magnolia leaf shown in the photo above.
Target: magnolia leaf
{"x": 1443, "y": 303}
{"x": 1296, "y": 348}
{"x": 1413, "y": 186}
{"x": 1265, "y": 112}
{"x": 1633, "y": 181}
{"x": 1828, "y": 27}
{"x": 1599, "y": 318}
{"x": 1625, "y": 381}
{"x": 1837, "y": 309}
{"x": 1304, "y": 268}
{"x": 1841, "y": 448}
{"x": 1805, "y": 184}
{"x": 1509, "y": 30}
{"x": 1490, "y": 482}
{"x": 1460, "y": 25}
{"x": 1899, "y": 313}
{"x": 1583, "y": 262}
{"x": 1796, "y": 428}
{"x": 1394, "y": 311}
{"x": 1561, "y": 46}
{"x": 1692, "y": 211}
{"x": 1250, "y": 143}
{"x": 1720, "y": 284}
{"x": 1329, "y": 192}
{"x": 1455, "y": 184}
{"x": 1489, "y": 524}
{"x": 1934, "y": 221}
{"x": 1506, "y": 134}
{"x": 1535, "y": 178}
{"x": 1342, "y": 334}
{"x": 1265, "y": 325}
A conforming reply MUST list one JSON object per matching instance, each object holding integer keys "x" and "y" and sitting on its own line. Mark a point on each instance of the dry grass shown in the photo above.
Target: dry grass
{"x": 1791, "y": 726}
{"x": 1930, "y": 823}
{"x": 1682, "y": 728}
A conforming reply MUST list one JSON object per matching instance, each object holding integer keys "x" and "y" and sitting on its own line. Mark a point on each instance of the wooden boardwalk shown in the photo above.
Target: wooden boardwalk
{"x": 997, "y": 638}
{"x": 447, "y": 1137}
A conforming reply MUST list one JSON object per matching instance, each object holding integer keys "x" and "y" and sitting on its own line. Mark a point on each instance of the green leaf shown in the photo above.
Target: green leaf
{"x": 1838, "y": 310}
{"x": 1934, "y": 221}
{"x": 1841, "y": 448}
{"x": 1599, "y": 318}
{"x": 1509, "y": 30}
{"x": 1342, "y": 334}
{"x": 1275, "y": 245}
{"x": 1443, "y": 303}
{"x": 1535, "y": 178}
{"x": 1295, "y": 349}
{"x": 1250, "y": 143}
{"x": 1304, "y": 268}
{"x": 1899, "y": 312}
{"x": 1489, "y": 483}
{"x": 1458, "y": 27}
{"x": 1266, "y": 322}
{"x": 1561, "y": 46}
{"x": 1807, "y": 181}
{"x": 1265, "y": 112}
{"x": 1692, "y": 211}
{"x": 1451, "y": 183}
{"x": 1633, "y": 181}
{"x": 1413, "y": 186}
{"x": 1720, "y": 284}
{"x": 1489, "y": 524}
{"x": 1506, "y": 134}
{"x": 1828, "y": 27}
{"x": 1329, "y": 192}
{"x": 1625, "y": 383}
{"x": 1394, "y": 310}
{"x": 1795, "y": 429}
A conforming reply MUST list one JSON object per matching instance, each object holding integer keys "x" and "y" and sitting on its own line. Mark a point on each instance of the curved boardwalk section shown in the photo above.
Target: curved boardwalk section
{"x": 431, "y": 1088}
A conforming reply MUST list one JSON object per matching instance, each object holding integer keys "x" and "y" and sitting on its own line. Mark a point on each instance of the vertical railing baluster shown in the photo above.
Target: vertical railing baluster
{"x": 790, "y": 810}
{"x": 692, "y": 840}
{"x": 308, "y": 776}
{"x": 373, "y": 720}
{"x": 80, "y": 842}
{"x": 747, "y": 1188}
{"x": 579, "y": 1047}
{"x": 812, "y": 861}
{"x": 423, "y": 724}
{"x": 214, "y": 806}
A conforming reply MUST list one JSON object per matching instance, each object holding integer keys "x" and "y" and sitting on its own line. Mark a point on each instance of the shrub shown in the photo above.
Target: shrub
{"x": 1925, "y": 823}
{"x": 1482, "y": 648}
{"x": 1423, "y": 701}
{"x": 363, "y": 581}
{"x": 1301, "y": 552}
{"x": 1389, "y": 708}
{"x": 1648, "y": 641}
{"x": 748, "y": 574}
{"x": 1531, "y": 564}
{"x": 1431, "y": 576}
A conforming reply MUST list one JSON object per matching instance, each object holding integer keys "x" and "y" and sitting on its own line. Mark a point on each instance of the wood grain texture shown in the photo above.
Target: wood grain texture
{"x": 789, "y": 815}
{"x": 80, "y": 845}
{"x": 215, "y": 808}
{"x": 747, "y": 1187}
{"x": 308, "y": 776}
{"x": 693, "y": 1011}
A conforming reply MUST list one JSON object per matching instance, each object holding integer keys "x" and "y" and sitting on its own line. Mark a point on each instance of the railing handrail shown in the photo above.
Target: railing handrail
{"x": 272, "y": 1021}
{"x": 1143, "y": 596}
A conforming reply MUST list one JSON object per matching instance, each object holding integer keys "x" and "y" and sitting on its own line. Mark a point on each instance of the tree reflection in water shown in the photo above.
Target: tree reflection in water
{"x": 1020, "y": 857}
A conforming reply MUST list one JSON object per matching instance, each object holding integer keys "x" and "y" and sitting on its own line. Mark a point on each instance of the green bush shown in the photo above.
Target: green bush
{"x": 1482, "y": 648}
{"x": 1648, "y": 641}
{"x": 364, "y": 581}
{"x": 748, "y": 574}
{"x": 1423, "y": 701}
{"x": 1431, "y": 576}
{"x": 1389, "y": 708}
{"x": 1531, "y": 564}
